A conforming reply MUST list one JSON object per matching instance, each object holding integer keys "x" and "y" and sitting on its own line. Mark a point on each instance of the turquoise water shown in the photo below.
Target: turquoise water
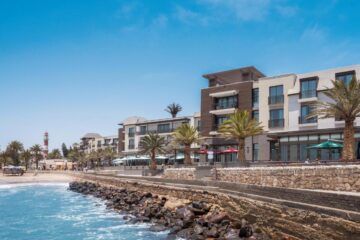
{"x": 49, "y": 211}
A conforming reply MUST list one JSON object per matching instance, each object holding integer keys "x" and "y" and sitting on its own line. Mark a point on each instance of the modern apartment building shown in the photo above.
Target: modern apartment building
{"x": 94, "y": 141}
{"x": 133, "y": 129}
{"x": 281, "y": 104}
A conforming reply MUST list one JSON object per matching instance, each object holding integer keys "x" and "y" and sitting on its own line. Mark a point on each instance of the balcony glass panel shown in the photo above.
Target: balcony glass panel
{"x": 226, "y": 102}
{"x": 308, "y": 88}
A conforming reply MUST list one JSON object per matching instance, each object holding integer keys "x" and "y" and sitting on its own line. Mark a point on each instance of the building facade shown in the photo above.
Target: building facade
{"x": 133, "y": 129}
{"x": 93, "y": 142}
{"x": 281, "y": 104}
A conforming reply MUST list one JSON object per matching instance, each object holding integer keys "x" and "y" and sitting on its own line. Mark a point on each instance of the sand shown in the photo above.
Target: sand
{"x": 39, "y": 178}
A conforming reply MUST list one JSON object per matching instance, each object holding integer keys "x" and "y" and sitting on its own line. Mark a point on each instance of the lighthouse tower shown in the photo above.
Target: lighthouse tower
{"x": 46, "y": 145}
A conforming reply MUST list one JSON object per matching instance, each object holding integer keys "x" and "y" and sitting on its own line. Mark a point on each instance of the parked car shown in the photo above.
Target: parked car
{"x": 13, "y": 170}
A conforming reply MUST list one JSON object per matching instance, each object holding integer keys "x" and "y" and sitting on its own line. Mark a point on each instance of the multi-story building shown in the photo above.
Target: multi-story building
{"x": 133, "y": 129}
{"x": 93, "y": 142}
{"x": 281, "y": 104}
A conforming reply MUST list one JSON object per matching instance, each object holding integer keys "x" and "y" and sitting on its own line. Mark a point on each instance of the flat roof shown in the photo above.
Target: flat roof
{"x": 242, "y": 69}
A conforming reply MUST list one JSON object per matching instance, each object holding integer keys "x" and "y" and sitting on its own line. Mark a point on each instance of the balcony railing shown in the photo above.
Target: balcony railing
{"x": 274, "y": 123}
{"x": 131, "y": 134}
{"x": 225, "y": 106}
{"x": 131, "y": 146}
{"x": 305, "y": 120}
{"x": 155, "y": 131}
{"x": 276, "y": 99}
{"x": 308, "y": 93}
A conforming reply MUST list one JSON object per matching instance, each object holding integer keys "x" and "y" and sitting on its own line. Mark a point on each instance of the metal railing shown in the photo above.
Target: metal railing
{"x": 273, "y": 123}
{"x": 276, "y": 99}
{"x": 305, "y": 120}
{"x": 308, "y": 93}
{"x": 225, "y": 106}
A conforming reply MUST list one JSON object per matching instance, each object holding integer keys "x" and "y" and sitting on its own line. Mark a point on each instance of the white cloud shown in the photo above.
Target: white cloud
{"x": 188, "y": 16}
{"x": 313, "y": 34}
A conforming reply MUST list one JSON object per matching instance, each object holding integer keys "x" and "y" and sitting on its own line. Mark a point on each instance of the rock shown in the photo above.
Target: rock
{"x": 213, "y": 232}
{"x": 198, "y": 229}
{"x": 185, "y": 233}
{"x": 157, "y": 228}
{"x": 217, "y": 218}
{"x": 232, "y": 234}
{"x": 185, "y": 213}
{"x": 245, "y": 231}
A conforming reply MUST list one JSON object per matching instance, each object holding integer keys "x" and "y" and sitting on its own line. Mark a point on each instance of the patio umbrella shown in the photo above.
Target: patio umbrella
{"x": 327, "y": 145}
{"x": 202, "y": 151}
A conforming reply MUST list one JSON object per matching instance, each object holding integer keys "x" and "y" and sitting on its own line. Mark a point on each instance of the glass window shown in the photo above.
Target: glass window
{"x": 308, "y": 88}
{"x": 293, "y": 139}
{"x": 226, "y": 102}
{"x": 163, "y": 128}
{"x": 143, "y": 129}
{"x": 346, "y": 77}
{"x": 313, "y": 138}
{"x": 220, "y": 119}
{"x": 284, "y": 139}
{"x": 312, "y": 154}
{"x": 131, "y": 143}
{"x": 276, "y": 114}
{"x": 324, "y": 154}
{"x": 273, "y": 151}
{"x": 303, "y": 138}
{"x": 131, "y": 132}
{"x": 304, "y": 112}
{"x": 293, "y": 152}
{"x": 325, "y": 137}
{"x": 255, "y": 152}
{"x": 336, "y": 136}
{"x": 303, "y": 152}
{"x": 276, "y": 91}
{"x": 255, "y": 115}
{"x": 335, "y": 154}
{"x": 284, "y": 153}
{"x": 255, "y": 98}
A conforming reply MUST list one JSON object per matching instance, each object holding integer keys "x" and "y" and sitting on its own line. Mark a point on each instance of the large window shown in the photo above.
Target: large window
{"x": 220, "y": 120}
{"x": 255, "y": 152}
{"x": 131, "y": 143}
{"x": 276, "y": 118}
{"x": 226, "y": 102}
{"x": 131, "y": 132}
{"x": 276, "y": 94}
{"x": 255, "y": 115}
{"x": 164, "y": 128}
{"x": 255, "y": 98}
{"x": 346, "y": 77}
{"x": 143, "y": 130}
{"x": 304, "y": 112}
{"x": 308, "y": 88}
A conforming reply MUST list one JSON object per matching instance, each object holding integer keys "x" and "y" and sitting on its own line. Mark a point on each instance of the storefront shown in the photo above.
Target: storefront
{"x": 296, "y": 147}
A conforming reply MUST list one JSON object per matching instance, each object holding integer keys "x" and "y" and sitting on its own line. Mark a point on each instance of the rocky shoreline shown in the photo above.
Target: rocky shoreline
{"x": 184, "y": 219}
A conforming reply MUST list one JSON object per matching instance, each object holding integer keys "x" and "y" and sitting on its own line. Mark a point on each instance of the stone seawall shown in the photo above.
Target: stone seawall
{"x": 277, "y": 221}
{"x": 338, "y": 178}
{"x": 180, "y": 173}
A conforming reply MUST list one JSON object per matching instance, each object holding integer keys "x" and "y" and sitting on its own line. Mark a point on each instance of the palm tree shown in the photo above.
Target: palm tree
{"x": 239, "y": 126}
{"x": 26, "y": 155}
{"x": 14, "y": 150}
{"x": 55, "y": 154}
{"x": 36, "y": 152}
{"x": 344, "y": 104}
{"x": 173, "y": 109}
{"x": 186, "y": 135}
{"x": 4, "y": 158}
{"x": 152, "y": 144}
{"x": 109, "y": 154}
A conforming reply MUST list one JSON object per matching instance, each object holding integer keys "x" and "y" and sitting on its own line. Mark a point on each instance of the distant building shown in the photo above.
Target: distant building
{"x": 94, "y": 141}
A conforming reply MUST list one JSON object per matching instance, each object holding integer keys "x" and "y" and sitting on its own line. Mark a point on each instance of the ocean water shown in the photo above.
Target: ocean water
{"x": 51, "y": 212}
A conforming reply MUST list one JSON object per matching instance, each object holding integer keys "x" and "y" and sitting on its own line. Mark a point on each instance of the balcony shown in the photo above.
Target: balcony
{"x": 279, "y": 99}
{"x": 308, "y": 93}
{"x": 225, "y": 106}
{"x": 305, "y": 120}
{"x": 131, "y": 134}
{"x": 276, "y": 123}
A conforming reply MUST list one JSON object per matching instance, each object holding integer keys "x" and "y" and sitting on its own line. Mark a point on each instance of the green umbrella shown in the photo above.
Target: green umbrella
{"x": 327, "y": 145}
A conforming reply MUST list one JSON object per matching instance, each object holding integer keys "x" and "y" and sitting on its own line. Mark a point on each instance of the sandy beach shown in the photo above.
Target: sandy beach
{"x": 39, "y": 178}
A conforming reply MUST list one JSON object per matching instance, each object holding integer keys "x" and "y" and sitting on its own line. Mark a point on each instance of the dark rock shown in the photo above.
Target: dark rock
{"x": 198, "y": 229}
{"x": 245, "y": 231}
{"x": 213, "y": 232}
{"x": 157, "y": 228}
{"x": 217, "y": 218}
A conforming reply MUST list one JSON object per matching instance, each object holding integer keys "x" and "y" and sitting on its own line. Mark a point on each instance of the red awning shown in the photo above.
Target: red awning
{"x": 202, "y": 151}
{"x": 230, "y": 150}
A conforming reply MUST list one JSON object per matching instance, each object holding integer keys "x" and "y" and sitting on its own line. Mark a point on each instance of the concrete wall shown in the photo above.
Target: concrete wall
{"x": 180, "y": 173}
{"x": 339, "y": 178}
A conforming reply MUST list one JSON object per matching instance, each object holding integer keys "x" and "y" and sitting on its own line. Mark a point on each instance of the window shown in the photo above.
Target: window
{"x": 284, "y": 154}
{"x": 164, "y": 128}
{"x": 99, "y": 143}
{"x": 304, "y": 112}
{"x": 346, "y": 77}
{"x": 143, "y": 129}
{"x": 226, "y": 102}
{"x": 255, "y": 115}
{"x": 276, "y": 94}
{"x": 131, "y": 132}
{"x": 219, "y": 120}
{"x": 255, "y": 152}
{"x": 255, "y": 98}
{"x": 308, "y": 88}
{"x": 131, "y": 143}
{"x": 293, "y": 152}
{"x": 276, "y": 118}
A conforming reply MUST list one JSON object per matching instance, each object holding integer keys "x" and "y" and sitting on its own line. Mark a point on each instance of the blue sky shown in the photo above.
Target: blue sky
{"x": 77, "y": 66}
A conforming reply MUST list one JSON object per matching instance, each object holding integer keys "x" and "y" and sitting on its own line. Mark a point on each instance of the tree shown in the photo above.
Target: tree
{"x": 77, "y": 157}
{"x": 65, "y": 150}
{"x": 173, "y": 109}
{"x": 109, "y": 154}
{"x": 4, "y": 158}
{"x": 186, "y": 135}
{"x": 36, "y": 152}
{"x": 239, "y": 126}
{"x": 152, "y": 144}
{"x": 14, "y": 150}
{"x": 26, "y": 155}
{"x": 344, "y": 104}
{"x": 55, "y": 154}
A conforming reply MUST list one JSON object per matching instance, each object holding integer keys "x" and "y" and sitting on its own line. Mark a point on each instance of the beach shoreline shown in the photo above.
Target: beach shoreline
{"x": 38, "y": 178}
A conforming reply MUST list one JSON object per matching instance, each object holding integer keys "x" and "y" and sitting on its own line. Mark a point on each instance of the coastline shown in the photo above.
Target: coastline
{"x": 39, "y": 178}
